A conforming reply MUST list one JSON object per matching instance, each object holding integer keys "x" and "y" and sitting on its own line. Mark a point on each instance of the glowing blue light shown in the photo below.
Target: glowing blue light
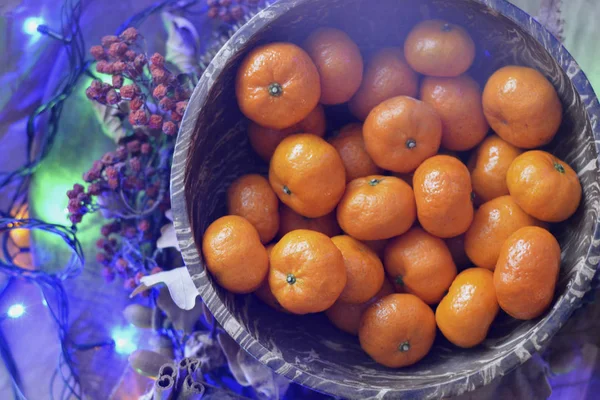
{"x": 16, "y": 310}
{"x": 45, "y": 303}
{"x": 124, "y": 339}
{"x": 30, "y": 25}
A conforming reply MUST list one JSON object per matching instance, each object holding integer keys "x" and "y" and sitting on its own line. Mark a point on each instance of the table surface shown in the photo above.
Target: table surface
{"x": 37, "y": 352}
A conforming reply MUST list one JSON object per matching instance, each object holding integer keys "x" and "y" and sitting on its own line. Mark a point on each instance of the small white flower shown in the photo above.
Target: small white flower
{"x": 179, "y": 283}
{"x": 167, "y": 234}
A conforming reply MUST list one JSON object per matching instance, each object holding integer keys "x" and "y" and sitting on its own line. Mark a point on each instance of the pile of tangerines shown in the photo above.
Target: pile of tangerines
{"x": 398, "y": 190}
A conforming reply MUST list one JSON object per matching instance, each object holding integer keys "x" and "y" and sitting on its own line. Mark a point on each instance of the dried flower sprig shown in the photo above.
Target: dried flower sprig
{"x": 127, "y": 185}
{"x": 130, "y": 184}
{"x": 231, "y": 11}
{"x": 157, "y": 97}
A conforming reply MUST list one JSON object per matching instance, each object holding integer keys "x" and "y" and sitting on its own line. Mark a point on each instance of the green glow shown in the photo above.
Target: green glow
{"x": 78, "y": 143}
{"x": 51, "y": 201}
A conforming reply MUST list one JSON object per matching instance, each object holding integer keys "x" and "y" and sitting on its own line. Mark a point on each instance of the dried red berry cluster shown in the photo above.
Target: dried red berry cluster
{"x": 128, "y": 184}
{"x": 128, "y": 171}
{"x": 231, "y": 11}
{"x": 79, "y": 202}
{"x": 157, "y": 99}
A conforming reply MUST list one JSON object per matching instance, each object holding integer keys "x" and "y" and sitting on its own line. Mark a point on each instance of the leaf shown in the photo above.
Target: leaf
{"x": 111, "y": 119}
{"x": 179, "y": 283}
{"x": 182, "y": 44}
{"x": 550, "y": 16}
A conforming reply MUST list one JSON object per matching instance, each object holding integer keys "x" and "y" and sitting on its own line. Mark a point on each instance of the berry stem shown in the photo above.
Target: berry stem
{"x": 286, "y": 190}
{"x": 411, "y": 144}
{"x": 374, "y": 181}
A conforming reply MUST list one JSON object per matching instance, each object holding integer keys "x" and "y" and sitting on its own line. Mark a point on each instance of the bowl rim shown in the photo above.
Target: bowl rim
{"x": 460, "y": 382}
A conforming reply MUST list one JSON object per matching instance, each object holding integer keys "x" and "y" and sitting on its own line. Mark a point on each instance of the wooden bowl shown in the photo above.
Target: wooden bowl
{"x": 212, "y": 150}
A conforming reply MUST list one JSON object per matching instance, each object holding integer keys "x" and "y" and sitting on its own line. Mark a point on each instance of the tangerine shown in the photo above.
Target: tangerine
{"x": 251, "y": 197}
{"x": 351, "y": 146}
{"x": 376, "y": 207}
{"x": 544, "y": 186}
{"x": 398, "y": 330}
{"x": 339, "y": 63}
{"x": 307, "y": 273}
{"x": 277, "y": 85}
{"x": 526, "y": 272}
{"x": 264, "y": 141}
{"x": 387, "y": 75}
{"x": 364, "y": 270}
{"x": 492, "y": 224}
{"x": 442, "y": 187}
{"x": 420, "y": 263}
{"x": 346, "y": 316}
{"x": 489, "y": 165}
{"x": 308, "y": 175}
{"x": 401, "y": 132}
{"x": 234, "y": 254}
{"x": 458, "y": 103}
{"x": 522, "y": 106}
{"x": 439, "y": 48}
{"x": 465, "y": 314}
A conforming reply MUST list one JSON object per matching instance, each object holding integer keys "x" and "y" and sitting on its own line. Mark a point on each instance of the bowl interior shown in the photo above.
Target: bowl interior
{"x": 309, "y": 349}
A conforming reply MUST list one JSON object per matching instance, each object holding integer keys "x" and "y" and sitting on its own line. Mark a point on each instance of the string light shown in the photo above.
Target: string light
{"x": 124, "y": 339}
{"x": 30, "y": 25}
{"x": 44, "y": 29}
{"x": 15, "y": 311}
{"x": 15, "y": 185}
